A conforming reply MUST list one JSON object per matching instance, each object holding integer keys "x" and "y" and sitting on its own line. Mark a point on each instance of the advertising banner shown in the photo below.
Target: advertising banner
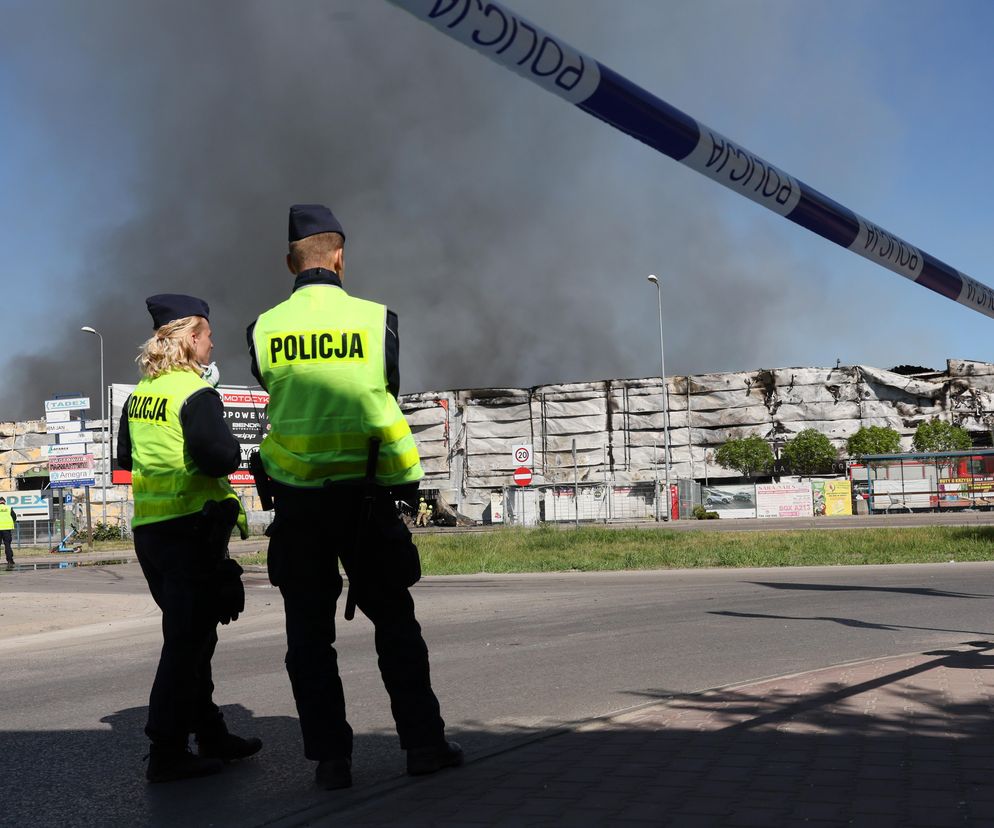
{"x": 838, "y": 497}
{"x": 964, "y": 492}
{"x": 67, "y": 404}
{"x": 735, "y": 501}
{"x": 76, "y": 437}
{"x": 53, "y": 427}
{"x": 783, "y": 500}
{"x": 58, "y": 478}
{"x": 27, "y": 504}
{"x": 244, "y": 410}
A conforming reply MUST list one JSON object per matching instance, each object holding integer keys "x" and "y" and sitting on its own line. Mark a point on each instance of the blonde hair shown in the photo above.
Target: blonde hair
{"x": 170, "y": 348}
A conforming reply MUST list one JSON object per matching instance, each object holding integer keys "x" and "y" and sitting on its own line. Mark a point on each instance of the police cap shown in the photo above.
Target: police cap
{"x": 311, "y": 219}
{"x": 168, "y": 307}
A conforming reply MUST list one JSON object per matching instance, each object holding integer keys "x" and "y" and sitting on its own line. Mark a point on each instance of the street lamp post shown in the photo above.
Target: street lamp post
{"x": 103, "y": 427}
{"x": 666, "y": 401}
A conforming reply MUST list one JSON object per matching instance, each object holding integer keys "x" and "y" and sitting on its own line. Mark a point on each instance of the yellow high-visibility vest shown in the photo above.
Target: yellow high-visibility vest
{"x": 166, "y": 482}
{"x": 6, "y": 519}
{"x": 320, "y": 354}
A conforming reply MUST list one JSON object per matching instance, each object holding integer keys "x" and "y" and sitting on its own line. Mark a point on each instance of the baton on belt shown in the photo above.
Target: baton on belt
{"x": 365, "y": 515}
{"x": 258, "y": 472}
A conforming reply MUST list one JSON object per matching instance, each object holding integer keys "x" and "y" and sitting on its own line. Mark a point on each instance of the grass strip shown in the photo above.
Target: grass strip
{"x": 588, "y": 549}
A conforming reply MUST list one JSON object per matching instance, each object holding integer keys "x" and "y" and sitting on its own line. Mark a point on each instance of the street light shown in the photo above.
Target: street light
{"x": 666, "y": 400}
{"x": 103, "y": 426}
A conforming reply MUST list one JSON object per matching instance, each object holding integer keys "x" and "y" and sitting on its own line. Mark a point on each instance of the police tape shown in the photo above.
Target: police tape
{"x": 557, "y": 67}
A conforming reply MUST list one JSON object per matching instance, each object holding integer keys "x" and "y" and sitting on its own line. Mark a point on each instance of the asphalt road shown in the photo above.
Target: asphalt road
{"x": 512, "y": 656}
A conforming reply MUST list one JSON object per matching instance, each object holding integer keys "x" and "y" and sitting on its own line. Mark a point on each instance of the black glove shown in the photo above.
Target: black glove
{"x": 229, "y": 594}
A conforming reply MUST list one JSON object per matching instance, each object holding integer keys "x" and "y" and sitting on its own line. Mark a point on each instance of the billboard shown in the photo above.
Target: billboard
{"x": 782, "y": 500}
{"x": 244, "y": 410}
{"x": 733, "y": 501}
{"x": 32, "y": 505}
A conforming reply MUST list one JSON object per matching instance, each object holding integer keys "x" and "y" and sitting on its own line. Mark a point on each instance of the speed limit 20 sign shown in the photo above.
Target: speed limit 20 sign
{"x": 522, "y": 455}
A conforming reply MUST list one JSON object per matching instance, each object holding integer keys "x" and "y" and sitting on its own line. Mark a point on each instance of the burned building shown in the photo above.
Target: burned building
{"x": 616, "y": 426}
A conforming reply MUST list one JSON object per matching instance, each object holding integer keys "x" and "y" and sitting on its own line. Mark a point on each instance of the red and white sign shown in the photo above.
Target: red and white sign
{"x": 72, "y": 461}
{"x": 522, "y": 455}
{"x": 523, "y": 476}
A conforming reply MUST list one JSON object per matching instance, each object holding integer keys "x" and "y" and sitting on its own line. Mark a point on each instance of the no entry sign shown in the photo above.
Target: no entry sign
{"x": 523, "y": 476}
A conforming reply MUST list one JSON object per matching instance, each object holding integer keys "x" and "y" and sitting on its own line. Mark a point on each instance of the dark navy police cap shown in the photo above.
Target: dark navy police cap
{"x": 311, "y": 219}
{"x": 168, "y": 307}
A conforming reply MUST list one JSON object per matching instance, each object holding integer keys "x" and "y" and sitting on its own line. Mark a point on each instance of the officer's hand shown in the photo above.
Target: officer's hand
{"x": 229, "y": 593}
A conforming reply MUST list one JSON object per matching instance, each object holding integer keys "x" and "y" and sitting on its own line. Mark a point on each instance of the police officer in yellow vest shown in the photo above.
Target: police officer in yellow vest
{"x": 175, "y": 441}
{"x": 330, "y": 363}
{"x": 7, "y": 518}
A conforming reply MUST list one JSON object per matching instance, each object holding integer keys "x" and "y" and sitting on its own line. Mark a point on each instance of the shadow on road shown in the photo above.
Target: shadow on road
{"x": 903, "y": 741}
{"x": 906, "y": 741}
{"x": 925, "y": 591}
{"x": 845, "y": 622}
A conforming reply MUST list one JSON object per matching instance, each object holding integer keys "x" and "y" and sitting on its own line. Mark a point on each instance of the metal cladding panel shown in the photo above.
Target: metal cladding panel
{"x": 435, "y": 415}
{"x": 756, "y": 415}
{"x": 594, "y": 440}
{"x": 572, "y": 408}
{"x": 435, "y": 465}
{"x": 651, "y": 399}
{"x": 499, "y": 447}
{"x": 513, "y": 430}
{"x": 909, "y": 386}
{"x": 896, "y": 412}
{"x": 424, "y": 433}
{"x": 432, "y": 448}
{"x": 574, "y": 425}
{"x": 481, "y": 413}
{"x": 817, "y": 411}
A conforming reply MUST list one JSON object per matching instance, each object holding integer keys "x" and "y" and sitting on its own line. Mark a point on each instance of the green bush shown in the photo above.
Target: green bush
{"x": 107, "y": 531}
{"x": 703, "y": 514}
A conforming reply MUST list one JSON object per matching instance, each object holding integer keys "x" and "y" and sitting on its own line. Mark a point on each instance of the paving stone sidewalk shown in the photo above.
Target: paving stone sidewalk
{"x": 902, "y": 741}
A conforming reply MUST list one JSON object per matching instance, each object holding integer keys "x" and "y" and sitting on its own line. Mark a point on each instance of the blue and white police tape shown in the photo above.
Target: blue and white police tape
{"x": 527, "y": 50}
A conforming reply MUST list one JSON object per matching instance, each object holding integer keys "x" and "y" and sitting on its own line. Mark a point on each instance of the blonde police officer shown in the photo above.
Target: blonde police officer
{"x": 178, "y": 446}
{"x": 330, "y": 363}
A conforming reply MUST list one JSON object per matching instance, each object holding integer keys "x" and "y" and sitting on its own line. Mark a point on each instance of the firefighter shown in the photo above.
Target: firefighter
{"x": 422, "y": 517}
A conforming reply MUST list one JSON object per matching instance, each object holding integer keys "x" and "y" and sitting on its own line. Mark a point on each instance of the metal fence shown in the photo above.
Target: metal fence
{"x": 49, "y": 531}
{"x": 595, "y": 502}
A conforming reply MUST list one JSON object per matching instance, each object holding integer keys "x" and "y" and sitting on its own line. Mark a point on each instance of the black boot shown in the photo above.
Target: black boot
{"x": 167, "y": 763}
{"x": 227, "y": 746}
{"x": 333, "y": 774}
{"x": 422, "y": 760}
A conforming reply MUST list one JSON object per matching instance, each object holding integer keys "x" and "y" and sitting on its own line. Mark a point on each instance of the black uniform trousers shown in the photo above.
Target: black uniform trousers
{"x": 178, "y": 564}
{"x": 312, "y": 531}
{"x": 5, "y": 538}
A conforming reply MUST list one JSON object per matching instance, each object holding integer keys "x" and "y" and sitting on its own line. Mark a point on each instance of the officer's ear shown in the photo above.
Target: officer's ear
{"x": 289, "y": 264}
{"x": 340, "y": 263}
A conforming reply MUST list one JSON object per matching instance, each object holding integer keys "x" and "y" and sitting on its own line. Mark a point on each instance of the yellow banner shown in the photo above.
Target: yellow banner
{"x": 838, "y": 497}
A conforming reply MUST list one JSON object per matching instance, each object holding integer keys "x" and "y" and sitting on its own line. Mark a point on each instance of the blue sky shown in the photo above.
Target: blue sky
{"x": 155, "y": 147}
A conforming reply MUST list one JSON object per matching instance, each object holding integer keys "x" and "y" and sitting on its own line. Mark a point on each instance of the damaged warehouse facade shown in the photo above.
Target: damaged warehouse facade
{"x": 466, "y": 436}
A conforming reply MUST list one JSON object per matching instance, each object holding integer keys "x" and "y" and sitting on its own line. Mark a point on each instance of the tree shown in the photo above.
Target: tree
{"x": 938, "y": 435}
{"x": 809, "y": 452}
{"x": 873, "y": 440}
{"x": 746, "y": 455}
